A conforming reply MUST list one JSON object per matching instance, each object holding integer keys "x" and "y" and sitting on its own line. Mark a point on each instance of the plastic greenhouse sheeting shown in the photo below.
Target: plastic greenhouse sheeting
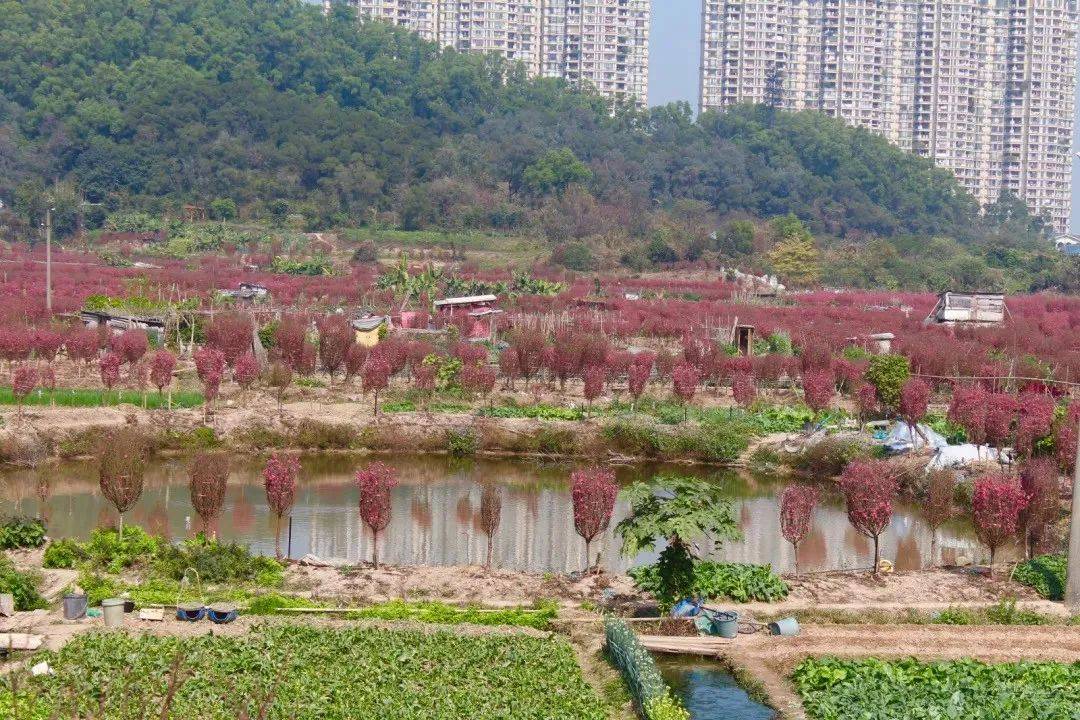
{"x": 904, "y": 438}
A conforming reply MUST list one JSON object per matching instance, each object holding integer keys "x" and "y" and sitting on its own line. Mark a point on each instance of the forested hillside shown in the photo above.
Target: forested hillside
{"x": 280, "y": 110}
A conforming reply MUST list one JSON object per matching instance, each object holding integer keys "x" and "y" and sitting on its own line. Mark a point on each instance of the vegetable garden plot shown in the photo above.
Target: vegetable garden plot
{"x": 960, "y": 690}
{"x": 305, "y": 672}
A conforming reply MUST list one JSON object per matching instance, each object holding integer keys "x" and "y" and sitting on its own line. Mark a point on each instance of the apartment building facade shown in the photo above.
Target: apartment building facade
{"x": 985, "y": 88}
{"x": 601, "y": 43}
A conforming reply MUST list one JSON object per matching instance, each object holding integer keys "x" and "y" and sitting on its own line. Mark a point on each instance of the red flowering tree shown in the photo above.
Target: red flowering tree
{"x": 209, "y": 477}
{"x": 82, "y": 344}
{"x": 866, "y": 400}
{"x": 818, "y": 389}
{"x": 509, "y": 366}
{"x": 870, "y": 488}
{"x": 424, "y": 377}
{"x": 131, "y": 345}
{"x": 247, "y": 370}
{"x": 665, "y": 365}
{"x": 937, "y": 506}
{"x": 743, "y": 389}
{"x": 968, "y": 410}
{"x": 376, "y": 376}
{"x": 162, "y": 365}
{"x": 23, "y": 382}
{"x": 595, "y": 376}
{"x": 593, "y": 491}
{"x": 122, "y": 458}
{"x": 796, "y": 511}
{"x": 375, "y": 482}
{"x": 528, "y": 345}
{"x": 478, "y": 379}
{"x": 1065, "y": 440}
{"x": 336, "y": 336}
{"x": 996, "y": 503}
{"x": 210, "y": 366}
{"x": 638, "y": 374}
{"x": 47, "y": 381}
{"x": 1000, "y": 414}
{"x": 355, "y": 357}
{"x": 109, "y": 366}
{"x": 1039, "y": 481}
{"x": 468, "y": 353}
{"x": 290, "y": 339}
{"x": 279, "y": 478}
{"x": 47, "y": 344}
{"x": 685, "y": 378}
{"x": 231, "y": 332}
{"x": 1034, "y": 421}
{"x": 490, "y": 516}
{"x": 279, "y": 376}
{"x": 16, "y": 343}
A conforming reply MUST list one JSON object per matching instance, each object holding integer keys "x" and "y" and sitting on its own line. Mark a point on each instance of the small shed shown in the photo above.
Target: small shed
{"x": 470, "y": 304}
{"x": 367, "y": 329}
{"x": 248, "y": 292}
{"x": 118, "y": 323}
{"x": 979, "y": 308}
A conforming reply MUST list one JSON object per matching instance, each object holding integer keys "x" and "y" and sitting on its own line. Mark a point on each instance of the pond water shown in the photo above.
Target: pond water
{"x": 708, "y": 692}
{"x": 436, "y": 514}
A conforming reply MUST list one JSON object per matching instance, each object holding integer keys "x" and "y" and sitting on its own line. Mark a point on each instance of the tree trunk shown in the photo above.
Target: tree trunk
{"x": 933, "y": 546}
{"x": 877, "y": 554}
{"x": 277, "y": 538}
{"x": 993, "y": 553}
{"x": 487, "y": 563}
{"x": 375, "y": 549}
{"x": 588, "y": 567}
{"x": 120, "y": 531}
{"x": 796, "y": 546}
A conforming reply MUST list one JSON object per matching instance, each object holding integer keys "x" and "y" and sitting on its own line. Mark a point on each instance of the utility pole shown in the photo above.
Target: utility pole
{"x": 1072, "y": 578}
{"x": 48, "y": 259}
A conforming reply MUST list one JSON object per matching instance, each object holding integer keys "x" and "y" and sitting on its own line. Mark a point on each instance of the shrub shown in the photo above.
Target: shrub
{"x": 996, "y": 504}
{"x": 106, "y": 549}
{"x": 216, "y": 562}
{"x": 461, "y": 443}
{"x": 737, "y": 582}
{"x": 1046, "y": 574}
{"x": 22, "y": 585}
{"x": 829, "y": 456}
{"x": 22, "y": 533}
{"x": 64, "y": 554}
{"x": 888, "y": 373}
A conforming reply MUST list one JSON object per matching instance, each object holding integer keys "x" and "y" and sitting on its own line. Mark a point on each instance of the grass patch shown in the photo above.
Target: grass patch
{"x": 1003, "y": 613}
{"x": 22, "y": 585}
{"x": 305, "y": 673}
{"x": 959, "y": 690}
{"x": 71, "y": 397}
{"x": 714, "y": 442}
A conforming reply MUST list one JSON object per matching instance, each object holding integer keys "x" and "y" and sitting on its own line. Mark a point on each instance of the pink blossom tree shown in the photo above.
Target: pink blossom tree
{"x": 109, "y": 366}
{"x": 82, "y": 344}
{"x": 685, "y": 378}
{"x": 937, "y": 506}
{"x": 1066, "y": 437}
{"x": 209, "y": 477}
{"x": 246, "y": 370}
{"x": 593, "y": 491}
{"x": 478, "y": 379}
{"x": 47, "y": 344}
{"x": 375, "y": 482}
{"x": 818, "y": 389}
{"x": 23, "y": 381}
{"x": 509, "y": 367}
{"x": 122, "y": 458}
{"x": 1000, "y": 414}
{"x": 743, "y": 389}
{"x": 796, "y": 511}
{"x": 996, "y": 503}
{"x": 210, "y": 366}
{"x": 376, "y": 376}
{"x": 490, "y": 517}
{"x": 131, "y": 345}
{"x": 355, "y": 357}
{"x": 162, "y": 365}
{"x": 968, "y": 410}
{"x": 1034, "y": 421}
{"x": 528, "y": 345}
{"x": 638, "y": 374}
{"x": 290, "y": 339}
{"x": 595, "y": 376}
{"x": 1039, "y": 481}
{"x": 336, "y": 336}
{"x": 870, "y": 488}
{"x": 232, "y": 333}
{"x": 279, "y": 478}
{"x": 47, "y": 381}
{"x": 866, "y": 400}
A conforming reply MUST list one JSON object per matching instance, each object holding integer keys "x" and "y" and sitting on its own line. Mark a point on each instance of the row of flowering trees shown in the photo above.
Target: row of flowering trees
{"x": 1004, "y": 507}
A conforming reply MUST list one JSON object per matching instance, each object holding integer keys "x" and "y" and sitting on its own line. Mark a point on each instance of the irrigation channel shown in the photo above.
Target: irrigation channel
{"x": 436, "y": 514}
{"x": 708, "y": 692}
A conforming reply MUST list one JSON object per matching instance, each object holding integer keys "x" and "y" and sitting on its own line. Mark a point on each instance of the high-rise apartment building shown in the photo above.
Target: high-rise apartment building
{"x": 985, "y": 88}
{"x": 602, "y": 43}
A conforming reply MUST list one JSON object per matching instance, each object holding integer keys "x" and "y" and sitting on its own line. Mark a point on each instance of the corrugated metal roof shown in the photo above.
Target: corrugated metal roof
{"x": 470, "y": 300}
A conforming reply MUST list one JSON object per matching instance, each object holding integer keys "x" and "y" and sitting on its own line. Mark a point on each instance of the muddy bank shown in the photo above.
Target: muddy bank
{"x": 255, "y": 423}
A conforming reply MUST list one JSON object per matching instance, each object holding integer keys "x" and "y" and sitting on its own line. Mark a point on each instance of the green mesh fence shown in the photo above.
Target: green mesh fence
{"x": 639, "y": 670}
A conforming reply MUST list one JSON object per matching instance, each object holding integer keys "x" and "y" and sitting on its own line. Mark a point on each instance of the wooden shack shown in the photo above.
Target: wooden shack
{"x": 955, "y": 308}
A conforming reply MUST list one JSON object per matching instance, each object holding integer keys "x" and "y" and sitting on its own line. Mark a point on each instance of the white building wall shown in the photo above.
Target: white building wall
{"x": 983, "y": 87}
